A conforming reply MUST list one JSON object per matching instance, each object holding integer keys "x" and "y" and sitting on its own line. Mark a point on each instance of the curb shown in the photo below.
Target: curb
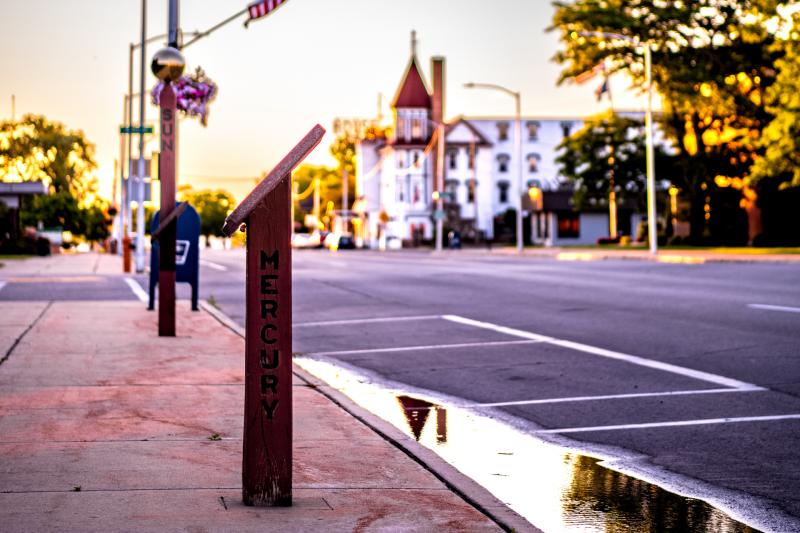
{"x": 470, "y": 491}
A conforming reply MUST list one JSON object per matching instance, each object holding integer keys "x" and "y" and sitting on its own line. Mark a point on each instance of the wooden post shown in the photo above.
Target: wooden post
{"x": 267, "y": 447}
{"x": 166, "y": 245}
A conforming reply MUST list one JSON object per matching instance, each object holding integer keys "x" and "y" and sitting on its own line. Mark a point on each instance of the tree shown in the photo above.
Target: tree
{"x": 608, "y": 149}
{"x": 37, "y": 149}
{"x": 213, "y": 206}
{"x": 712, "y": 60}
{"x": 781, "y": 157}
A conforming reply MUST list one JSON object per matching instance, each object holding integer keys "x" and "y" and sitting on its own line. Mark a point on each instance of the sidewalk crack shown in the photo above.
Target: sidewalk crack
{"x": 30, "y": 327}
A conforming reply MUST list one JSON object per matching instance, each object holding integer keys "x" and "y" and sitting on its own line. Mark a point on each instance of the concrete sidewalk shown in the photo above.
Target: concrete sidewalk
{"x": 106, "y": 427}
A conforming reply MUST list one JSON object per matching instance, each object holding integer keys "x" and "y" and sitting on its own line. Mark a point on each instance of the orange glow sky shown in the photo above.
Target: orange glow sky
{"x": 311, "y": 61}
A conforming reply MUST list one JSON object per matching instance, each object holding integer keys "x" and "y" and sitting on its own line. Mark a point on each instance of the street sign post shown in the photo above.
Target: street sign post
{"x": 266, "y": 215}
{"x": 166, "y": 174}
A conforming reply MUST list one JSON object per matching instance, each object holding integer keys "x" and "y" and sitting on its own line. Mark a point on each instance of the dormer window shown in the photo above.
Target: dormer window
{"x": 533, "y": 130}
{"x": 502, "y": 162}
{"x": 401, "y": 128}
{"x": 502, "y": 131}
{"x": 533, "y": 162}
{"x": 416, "y": 128}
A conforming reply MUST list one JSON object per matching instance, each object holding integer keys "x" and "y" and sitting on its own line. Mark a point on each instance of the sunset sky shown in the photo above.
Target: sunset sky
{"x": 311, "y": 61}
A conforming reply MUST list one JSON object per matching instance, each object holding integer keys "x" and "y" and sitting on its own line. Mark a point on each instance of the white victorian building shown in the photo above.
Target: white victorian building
{"x": 397, "y": 176}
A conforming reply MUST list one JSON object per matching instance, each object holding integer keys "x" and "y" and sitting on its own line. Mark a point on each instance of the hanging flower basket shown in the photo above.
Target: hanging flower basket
{"x": 193, "y": 93}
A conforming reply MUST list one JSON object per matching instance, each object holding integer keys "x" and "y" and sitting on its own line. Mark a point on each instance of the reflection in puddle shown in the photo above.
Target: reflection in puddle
{"x": 552, "y": 487}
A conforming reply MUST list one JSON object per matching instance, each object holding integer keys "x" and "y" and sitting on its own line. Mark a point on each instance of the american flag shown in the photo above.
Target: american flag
{"x": 262, "y": 8}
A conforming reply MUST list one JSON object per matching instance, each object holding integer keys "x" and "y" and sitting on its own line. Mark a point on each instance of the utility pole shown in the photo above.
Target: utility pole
{"x": 345, "y": 199}
{"x": 316, "y": 202}
{"x": 652, "y": 222}
{"x": 612, "y": 195}
{"x": 440, "y": 186}
{"x": 140, "y": 171}
{"x": 295, "y": 190}
{"x": 123, "y": 230}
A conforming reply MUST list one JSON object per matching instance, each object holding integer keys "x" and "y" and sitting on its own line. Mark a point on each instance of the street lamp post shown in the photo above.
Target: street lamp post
{"x": 140, "y": 170}
{"x": 651, "y": 167}
{"x": 652, "y": 234}
{"x": 440, "y": 133}
{"x": 518, "y": 142}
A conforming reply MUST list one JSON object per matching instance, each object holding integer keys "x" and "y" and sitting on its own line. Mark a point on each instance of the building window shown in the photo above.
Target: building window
{"x": 416, "y": 129}
{"x": 452, "y": 157}
{"x": 416, "y": 159}
{"x": 401, "y": 159}
{"x": 533, "y": 162}
{"x": 502, "y": 131}
{"x": 566, "y": 128}
{"x": 451, "y": 188}
{"x": 471, "y": 186}
{"x": 502, "y": 188}
{"x": 569, "y": 225}
{"x": 471, "y": 158}
{"x": 533, "y": 130}
{"x": 502, "y": 162}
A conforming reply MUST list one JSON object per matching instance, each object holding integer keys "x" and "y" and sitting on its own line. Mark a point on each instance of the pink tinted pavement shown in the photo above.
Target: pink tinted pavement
{"x": 104, "y": 426}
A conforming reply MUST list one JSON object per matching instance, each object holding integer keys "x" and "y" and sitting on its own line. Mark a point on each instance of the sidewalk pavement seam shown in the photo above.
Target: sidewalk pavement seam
{"x": 467, "y": 489}
{"x": 22, "y": 336}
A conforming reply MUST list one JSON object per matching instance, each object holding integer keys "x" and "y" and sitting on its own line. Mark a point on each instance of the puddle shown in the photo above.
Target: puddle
{"x": 553, "y": 487}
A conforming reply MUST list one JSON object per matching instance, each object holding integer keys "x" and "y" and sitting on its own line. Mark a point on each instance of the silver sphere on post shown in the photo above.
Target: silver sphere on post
{"x": 168, "y": 64}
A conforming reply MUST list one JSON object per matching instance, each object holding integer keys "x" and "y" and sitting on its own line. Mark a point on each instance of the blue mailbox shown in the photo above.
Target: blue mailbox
{"x": 187, "y": 256}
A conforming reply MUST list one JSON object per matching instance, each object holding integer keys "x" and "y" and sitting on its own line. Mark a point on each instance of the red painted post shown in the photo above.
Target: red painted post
{"x": 267, "y": 447}
{"x": 166, "y": 245}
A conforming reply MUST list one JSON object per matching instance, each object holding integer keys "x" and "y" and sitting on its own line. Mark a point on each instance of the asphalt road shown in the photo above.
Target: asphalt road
{"x": 695, "y": 368}
{"x": 645, "y": 347}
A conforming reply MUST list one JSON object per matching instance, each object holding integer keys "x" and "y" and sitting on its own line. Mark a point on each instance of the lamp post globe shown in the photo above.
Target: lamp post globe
{"x": 168, "y": 64}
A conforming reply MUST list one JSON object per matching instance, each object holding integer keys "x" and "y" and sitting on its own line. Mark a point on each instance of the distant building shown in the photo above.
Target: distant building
{"x": 11, "y": 194}
{"x": 396, "y": 176}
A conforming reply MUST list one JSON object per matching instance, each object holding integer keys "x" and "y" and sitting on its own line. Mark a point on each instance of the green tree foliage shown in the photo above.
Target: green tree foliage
{"x": 37, "y": 149}
{"x": 609, "y": 148}
{"x": 779, "y": 140}
{"x": 213, "y": 206}
{"x": 712, "y": 60}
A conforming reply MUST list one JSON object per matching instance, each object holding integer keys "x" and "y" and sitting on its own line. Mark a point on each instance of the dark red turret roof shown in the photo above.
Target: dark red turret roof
{"x": 412, "y": 91}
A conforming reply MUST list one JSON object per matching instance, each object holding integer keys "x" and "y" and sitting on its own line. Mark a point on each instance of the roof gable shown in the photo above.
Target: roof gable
{"x": 460, "y": 131}
{"x": 412, "y": 91}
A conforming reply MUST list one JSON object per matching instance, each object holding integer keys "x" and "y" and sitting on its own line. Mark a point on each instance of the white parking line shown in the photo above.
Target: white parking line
{"x": 2, "y": 284}
{"x": 633, "y": 359}
{"x": 137, "y": 289}
{"x": 413, "y": 348}
{"x": 610, "y": 397}
{"x": 366, "y": 320}
{"x": 676, "y": 423}
{"x": 768, "y": 307}
{"x": 215, "y": 266}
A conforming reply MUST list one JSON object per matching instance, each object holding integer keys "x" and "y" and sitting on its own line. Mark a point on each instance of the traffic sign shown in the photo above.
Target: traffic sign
{"x": 438, "y": 215}
{"x": 136, "y": 129}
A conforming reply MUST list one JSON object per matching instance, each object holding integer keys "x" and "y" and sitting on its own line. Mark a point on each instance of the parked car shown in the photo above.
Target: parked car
{"x": 339, "y": 241}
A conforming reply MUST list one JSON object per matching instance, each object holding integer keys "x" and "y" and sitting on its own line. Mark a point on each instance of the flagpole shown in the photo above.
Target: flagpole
{"x": 648, "y": 120}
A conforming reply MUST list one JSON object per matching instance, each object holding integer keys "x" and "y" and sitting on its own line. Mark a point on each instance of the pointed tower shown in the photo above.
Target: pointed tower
{"x": 412, "y": 103}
